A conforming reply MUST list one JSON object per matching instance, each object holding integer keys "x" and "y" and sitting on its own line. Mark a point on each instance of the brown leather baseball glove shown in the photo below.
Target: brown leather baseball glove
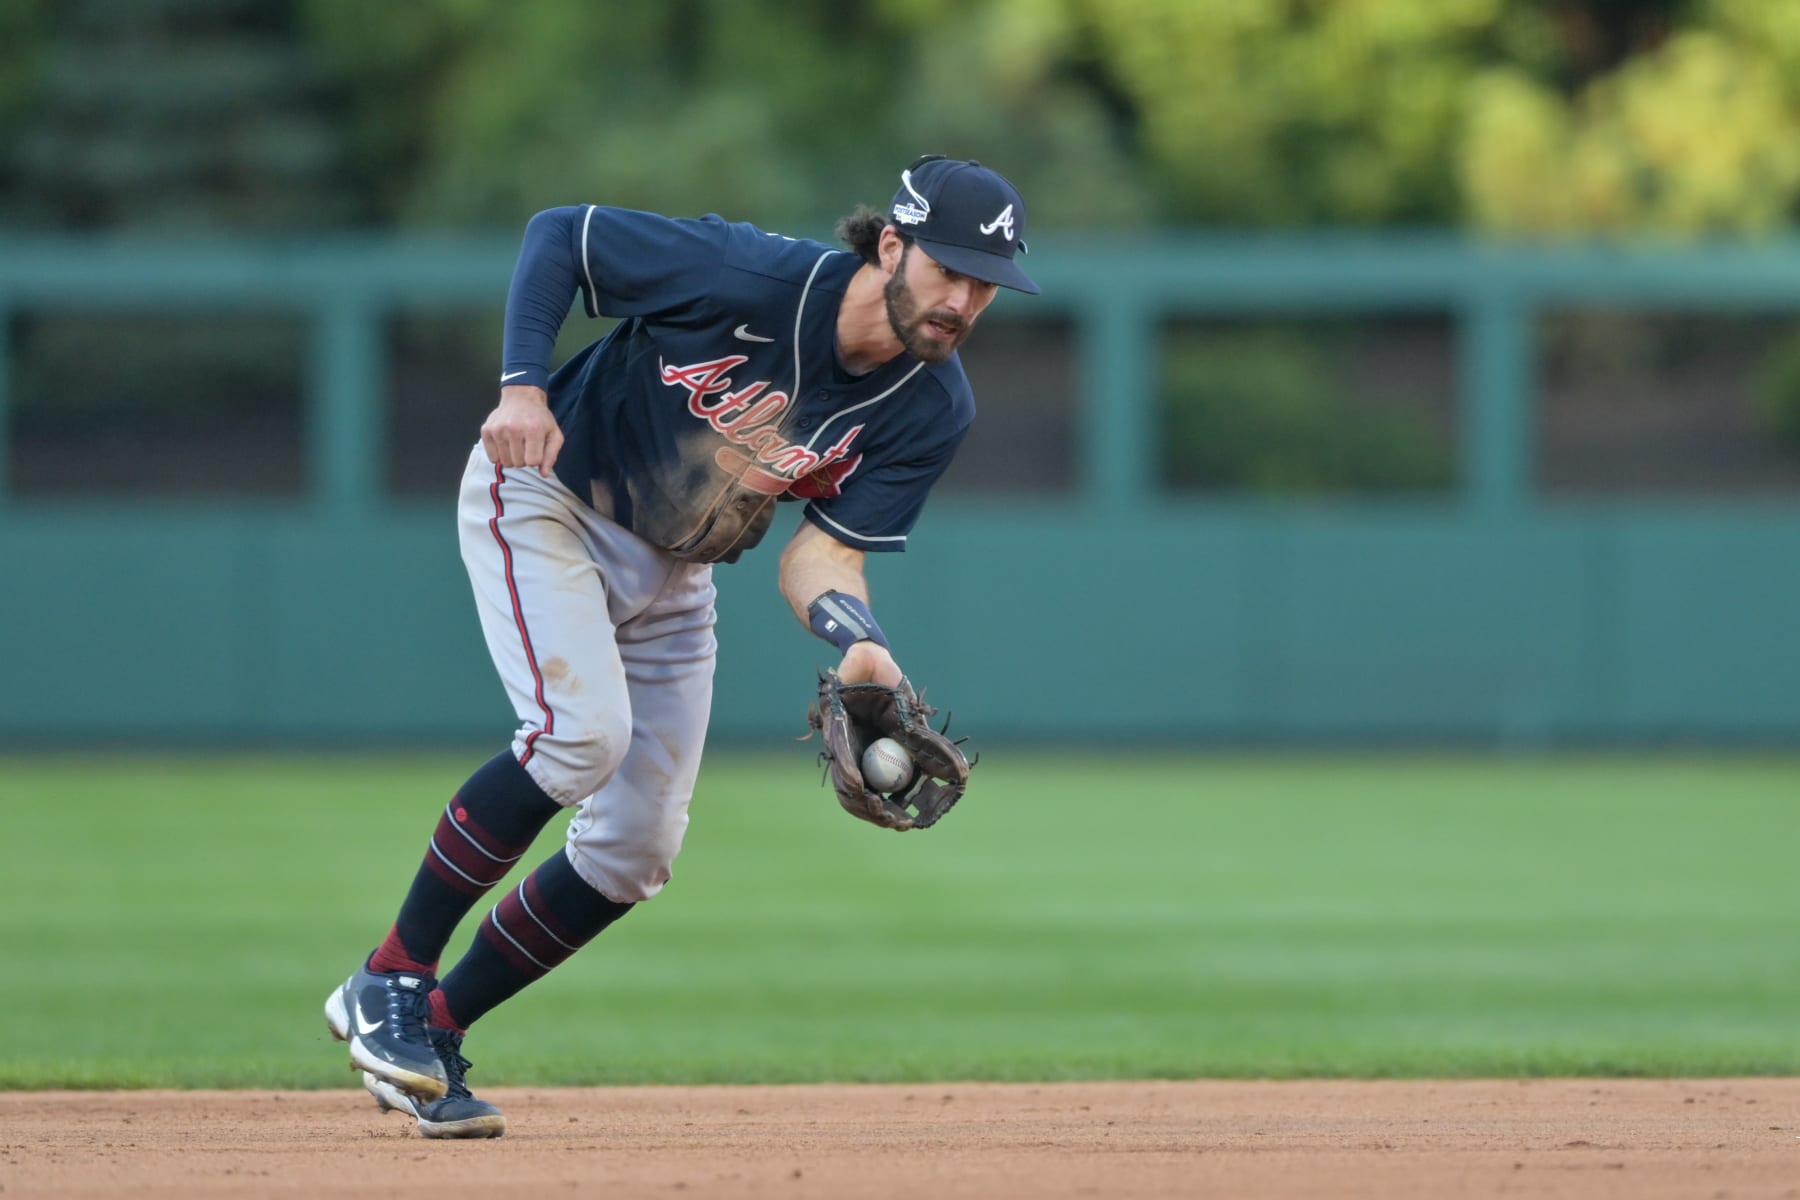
{"x": 852, "y": 715}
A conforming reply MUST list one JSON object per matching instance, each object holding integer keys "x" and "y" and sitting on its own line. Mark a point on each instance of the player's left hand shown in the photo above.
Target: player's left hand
{"x": 869, "y": 662}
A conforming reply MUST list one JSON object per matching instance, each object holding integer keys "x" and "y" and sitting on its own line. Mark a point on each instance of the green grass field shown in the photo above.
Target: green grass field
{"x": 178, "y": 920}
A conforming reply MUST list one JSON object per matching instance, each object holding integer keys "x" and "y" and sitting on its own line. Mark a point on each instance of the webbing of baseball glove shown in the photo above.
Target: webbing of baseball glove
{"x": 851, "y": 716}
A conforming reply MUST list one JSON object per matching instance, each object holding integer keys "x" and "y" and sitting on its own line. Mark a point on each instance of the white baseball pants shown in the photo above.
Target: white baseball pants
{"x": 605, "y": 645}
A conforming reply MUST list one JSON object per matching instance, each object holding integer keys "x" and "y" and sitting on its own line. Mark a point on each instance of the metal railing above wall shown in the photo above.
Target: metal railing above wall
{"x": 1116, "y": 291}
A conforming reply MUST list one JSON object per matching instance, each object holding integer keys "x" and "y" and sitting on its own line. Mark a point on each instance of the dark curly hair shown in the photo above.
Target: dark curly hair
{"x": 861, "y": 231}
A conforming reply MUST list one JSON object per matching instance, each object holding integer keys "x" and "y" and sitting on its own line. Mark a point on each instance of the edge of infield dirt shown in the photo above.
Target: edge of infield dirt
{"x": 1540, "y": 1137}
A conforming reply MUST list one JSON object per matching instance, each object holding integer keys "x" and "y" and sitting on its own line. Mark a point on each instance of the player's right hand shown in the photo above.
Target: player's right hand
{"x": 521, "y": 432}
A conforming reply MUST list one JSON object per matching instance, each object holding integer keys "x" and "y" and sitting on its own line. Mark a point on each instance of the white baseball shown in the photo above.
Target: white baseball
{"x": 886, "y": 766}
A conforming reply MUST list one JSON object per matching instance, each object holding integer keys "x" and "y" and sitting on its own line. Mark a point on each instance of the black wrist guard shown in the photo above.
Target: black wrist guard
{"x": 843, "y": 620}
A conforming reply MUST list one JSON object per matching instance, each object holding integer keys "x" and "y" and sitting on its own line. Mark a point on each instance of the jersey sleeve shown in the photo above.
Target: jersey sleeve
{"x": 636, "y": 264}
{"x": 623, "y": 263}
{"x": 876, "y": 511}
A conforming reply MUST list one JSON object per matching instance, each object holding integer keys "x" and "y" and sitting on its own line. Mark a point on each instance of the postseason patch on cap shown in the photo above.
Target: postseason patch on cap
{"x": 917, "y": 209}
{"x": 911, "y": 207}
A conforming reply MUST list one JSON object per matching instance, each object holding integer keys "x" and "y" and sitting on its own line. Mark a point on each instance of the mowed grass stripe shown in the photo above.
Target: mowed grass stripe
{"x": 177, "y": 920}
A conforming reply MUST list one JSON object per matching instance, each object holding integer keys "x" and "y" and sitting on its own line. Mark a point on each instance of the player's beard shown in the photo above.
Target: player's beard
{"x": 908, "y": 323}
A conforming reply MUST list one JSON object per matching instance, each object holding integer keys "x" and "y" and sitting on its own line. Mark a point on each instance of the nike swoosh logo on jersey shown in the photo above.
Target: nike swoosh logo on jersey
{"x": 742, "y": 333}
{"x": 514, "y": 375}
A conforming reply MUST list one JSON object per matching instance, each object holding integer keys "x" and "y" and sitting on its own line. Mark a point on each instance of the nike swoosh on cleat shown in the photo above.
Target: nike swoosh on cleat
{"x": 366, "y": 1027}
{"x": 742, "y": 333}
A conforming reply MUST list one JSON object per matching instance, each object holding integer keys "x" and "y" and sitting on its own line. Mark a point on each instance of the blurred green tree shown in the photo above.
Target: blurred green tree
{"x": 1776, "y": 392}
{"x": 164, "y": 114}
{"x": 22, "y": 43}
{"x": 1610, "y": 116}
{"x": 1694, "y": 137}
{"x": 1526, "y": 116}
{"x": 1274, "y": 112}
{"x": 466, "y": 112}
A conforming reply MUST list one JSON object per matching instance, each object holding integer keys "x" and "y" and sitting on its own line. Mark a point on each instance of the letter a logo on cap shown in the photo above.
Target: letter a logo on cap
{"x": 1003, "y": 223}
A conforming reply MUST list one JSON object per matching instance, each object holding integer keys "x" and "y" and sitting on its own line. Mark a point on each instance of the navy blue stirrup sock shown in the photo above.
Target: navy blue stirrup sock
{"x": 487, "y": 827}
{"x": 534, "y": 928}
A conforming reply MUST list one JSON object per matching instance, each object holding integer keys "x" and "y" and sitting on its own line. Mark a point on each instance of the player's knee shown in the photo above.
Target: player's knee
{"x": 594, "y": 749}
{"x": 577, "y": 757}
{"x": 636, "y": 857}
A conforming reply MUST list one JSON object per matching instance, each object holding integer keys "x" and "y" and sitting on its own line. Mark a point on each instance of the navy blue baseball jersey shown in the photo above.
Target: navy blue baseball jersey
{"x": 721, "y": 391}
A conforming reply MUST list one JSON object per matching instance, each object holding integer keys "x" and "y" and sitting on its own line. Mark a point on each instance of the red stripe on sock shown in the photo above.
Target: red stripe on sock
{"x": 392, "y": 956}
{"x": 538, "y": 942}
{"x": 482, "y": 870}
{"x": 439, "y": 1016}
{"x": 535, "y": 898}
{"x": 450, "y": 878}
{"x": 509, "y": 951}
{"x": 457, "y": 813}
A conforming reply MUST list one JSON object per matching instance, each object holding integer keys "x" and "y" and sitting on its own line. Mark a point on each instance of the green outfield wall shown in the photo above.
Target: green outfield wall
{"x": 1491, "y": 614}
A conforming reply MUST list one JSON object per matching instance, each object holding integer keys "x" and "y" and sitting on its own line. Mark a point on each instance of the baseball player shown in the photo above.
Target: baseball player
{"x": 747, "y": 369}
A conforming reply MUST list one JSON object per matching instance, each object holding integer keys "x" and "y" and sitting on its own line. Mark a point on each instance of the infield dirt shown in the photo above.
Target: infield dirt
{"x": 1576, "y": 1138}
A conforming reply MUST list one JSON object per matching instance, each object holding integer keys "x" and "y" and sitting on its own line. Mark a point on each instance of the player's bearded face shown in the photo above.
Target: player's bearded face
{"x": 932, "y": 335}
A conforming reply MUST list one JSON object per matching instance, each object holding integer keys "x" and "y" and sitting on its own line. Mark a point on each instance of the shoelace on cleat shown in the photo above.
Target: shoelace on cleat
{"x": 449, "y": 1049}
{"x": 407, "y": 1011}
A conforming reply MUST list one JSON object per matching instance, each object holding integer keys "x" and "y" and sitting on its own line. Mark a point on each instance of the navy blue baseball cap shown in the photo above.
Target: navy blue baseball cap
{"x": 967, "y": 217}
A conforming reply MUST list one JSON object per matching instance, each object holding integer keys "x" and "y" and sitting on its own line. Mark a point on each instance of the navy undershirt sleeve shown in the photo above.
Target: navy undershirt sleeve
{"x": 543, "y": 286}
